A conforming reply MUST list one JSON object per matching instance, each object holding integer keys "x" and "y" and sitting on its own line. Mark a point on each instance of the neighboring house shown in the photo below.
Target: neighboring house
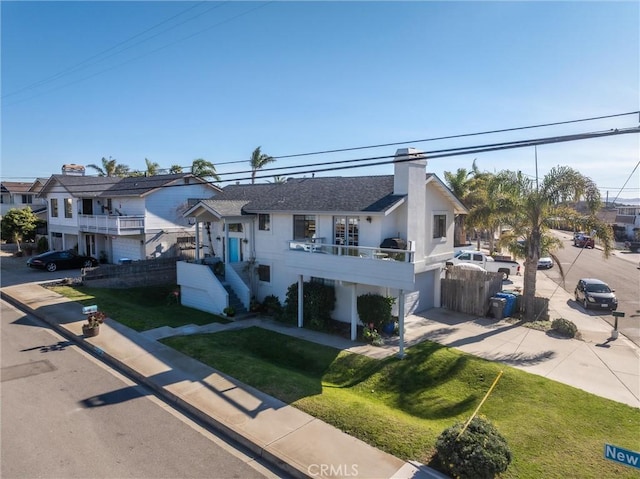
{"x": 343, "y": 231}
{"x": 113, "y": 218}
{"x": 627, "y": 220}
{"x": 20, "y": 194}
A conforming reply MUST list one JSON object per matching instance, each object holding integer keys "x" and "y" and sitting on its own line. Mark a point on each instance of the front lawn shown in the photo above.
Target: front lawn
{"x": 401, "y": 406}
{"x": 140, "y": 309}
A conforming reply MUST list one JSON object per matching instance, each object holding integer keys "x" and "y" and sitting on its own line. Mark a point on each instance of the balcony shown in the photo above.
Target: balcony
{"x": 111, "y": 225}
{"x": 358, "y": 264}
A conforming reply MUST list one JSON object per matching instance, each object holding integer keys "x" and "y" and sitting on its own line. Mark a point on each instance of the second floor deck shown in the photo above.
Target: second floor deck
{"x": 112, "y": 224}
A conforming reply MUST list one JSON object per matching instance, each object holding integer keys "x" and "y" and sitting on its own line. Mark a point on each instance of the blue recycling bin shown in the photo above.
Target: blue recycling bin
{"x": 510, "y": 305}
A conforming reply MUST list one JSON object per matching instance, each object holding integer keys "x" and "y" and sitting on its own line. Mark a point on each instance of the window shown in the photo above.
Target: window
{"x": 345, "y": 232}
{"x": 54, "y": 207}
{"x": 27, "y": 199}
{"x": 264, "y": 222}
{"x": 235, "y": 227}
{"x": 439, "y": 226}
{"x": 324, "y": 281}
{"x": 304, "y": 227}
{"x": 264, "y": 273}
{"x": 68, "y": 213}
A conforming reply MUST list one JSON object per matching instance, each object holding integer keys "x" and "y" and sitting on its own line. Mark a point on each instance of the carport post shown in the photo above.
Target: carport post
{"x": 401, "y": 322}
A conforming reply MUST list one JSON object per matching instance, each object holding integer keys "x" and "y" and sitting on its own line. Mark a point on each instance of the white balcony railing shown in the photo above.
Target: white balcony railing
{"x": 384, "y": 267}
{"x": 111, "y": 225}
{"x": 364, "y": 252}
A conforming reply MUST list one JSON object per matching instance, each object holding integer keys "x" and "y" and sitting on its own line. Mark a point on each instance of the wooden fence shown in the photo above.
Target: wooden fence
{"x": 469, "y": 291}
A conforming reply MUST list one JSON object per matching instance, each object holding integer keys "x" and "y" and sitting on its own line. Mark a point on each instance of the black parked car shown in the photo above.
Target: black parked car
{"x": 593, "y": 293}
{"x": 53, "y": 260}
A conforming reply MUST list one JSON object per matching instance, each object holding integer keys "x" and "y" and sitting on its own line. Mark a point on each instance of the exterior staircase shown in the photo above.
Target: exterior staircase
{"x": 234, "y": 300}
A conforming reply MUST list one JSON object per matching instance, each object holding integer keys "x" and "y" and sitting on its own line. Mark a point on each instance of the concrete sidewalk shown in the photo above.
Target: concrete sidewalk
{"x": 271, "y": 429}
{"x": 288, "y": 437}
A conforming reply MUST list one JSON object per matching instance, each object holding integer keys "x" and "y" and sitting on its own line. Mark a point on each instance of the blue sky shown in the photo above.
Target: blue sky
{"x": 176, "y": 81}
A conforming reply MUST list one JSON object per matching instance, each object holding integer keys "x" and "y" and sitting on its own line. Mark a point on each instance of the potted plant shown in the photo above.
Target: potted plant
{"x": 92, "y": 326}
{"x": 229, "y": 311}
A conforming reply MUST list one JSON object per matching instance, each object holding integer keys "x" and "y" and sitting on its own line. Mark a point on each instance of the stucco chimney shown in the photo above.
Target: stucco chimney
{"x": 409, "y": 178}
{"x": 72, "y": 169}
{"x": 410, "y": 165}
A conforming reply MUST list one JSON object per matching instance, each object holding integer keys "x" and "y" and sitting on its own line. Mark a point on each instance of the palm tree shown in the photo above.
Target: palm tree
{"x": 152, "y": 167}
{"x": 460, "y": 184}
{"x": 204, "y": 169}
{"x": 110, "y": 167}
{"x": 278, "y": 180}
{"x": 490, "y": 201}
{"x": 258, "y": 161}
{"x": 535, "y": 209}
{"x": 175, "y": 169}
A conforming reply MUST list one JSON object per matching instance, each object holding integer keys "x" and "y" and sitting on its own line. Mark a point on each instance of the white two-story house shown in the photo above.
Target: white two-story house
{"x": 19, "y": 195}
{"x": 115, "y": 218}
{"x": 381, "y": 234}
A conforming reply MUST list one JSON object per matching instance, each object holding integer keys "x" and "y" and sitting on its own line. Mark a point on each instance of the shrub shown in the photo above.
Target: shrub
{"x": 319, "y": 300}
{"x": 372, "y": 336}
{"x": 43, "y": 245}
{"x": 271, "y": 305}
{"x": 564, "y": 327}
{"x": 374, "y": 309}
{"x": 481, "y": 452}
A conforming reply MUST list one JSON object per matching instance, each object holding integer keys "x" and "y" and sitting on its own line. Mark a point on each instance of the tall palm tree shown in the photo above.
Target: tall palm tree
{"x": 110, "y": 167}
{"x": 204, "y": 169}
{"x": 152, "y": 167}
{"x": 258, "y": 161}
{"x": 490, "y": 202}
{"x": 534, "y": 209}
{"x": 460, "y": 184}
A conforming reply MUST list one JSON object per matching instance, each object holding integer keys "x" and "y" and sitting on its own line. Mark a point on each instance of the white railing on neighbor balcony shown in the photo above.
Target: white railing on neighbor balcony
{"x": 113, "y": 225}
{"x": 364, "y": 252}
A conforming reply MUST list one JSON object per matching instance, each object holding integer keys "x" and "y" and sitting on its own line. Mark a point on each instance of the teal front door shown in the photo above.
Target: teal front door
{"x": 234, "y": 250}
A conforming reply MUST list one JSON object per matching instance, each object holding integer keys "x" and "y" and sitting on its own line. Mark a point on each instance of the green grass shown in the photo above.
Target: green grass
{"x": 401, "y": 406}
{"x": 139, "y": 308}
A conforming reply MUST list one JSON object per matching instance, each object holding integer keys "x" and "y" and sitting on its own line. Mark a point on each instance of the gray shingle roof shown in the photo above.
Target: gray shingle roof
{"x": 337, "y": 194}
{"x": 113, "y": 187}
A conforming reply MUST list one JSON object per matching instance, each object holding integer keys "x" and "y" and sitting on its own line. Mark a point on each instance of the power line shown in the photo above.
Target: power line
{"x": 222, "y": 22}
{"x": 390, "y": 159}
{"x": 625, "y": 183}
{"x": 461, "y": 135}
{"x": 78, "y": 65}
{"x": 448, "y": 137}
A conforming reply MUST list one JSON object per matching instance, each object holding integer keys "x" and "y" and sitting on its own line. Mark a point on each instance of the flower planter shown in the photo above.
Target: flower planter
{"x": 388, "y": 328}
{"x": 89, "y": 331}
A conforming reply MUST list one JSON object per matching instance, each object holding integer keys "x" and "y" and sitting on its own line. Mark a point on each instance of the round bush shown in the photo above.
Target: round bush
{"x": 564, "y": 327}
{"x": 480, "y": 453}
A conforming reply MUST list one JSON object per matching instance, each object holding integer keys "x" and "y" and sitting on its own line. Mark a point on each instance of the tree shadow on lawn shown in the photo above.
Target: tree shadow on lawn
{"x": 413, "y": 381}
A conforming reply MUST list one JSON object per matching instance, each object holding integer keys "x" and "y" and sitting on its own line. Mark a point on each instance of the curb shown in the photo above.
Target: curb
{"x": 170, "y": 398}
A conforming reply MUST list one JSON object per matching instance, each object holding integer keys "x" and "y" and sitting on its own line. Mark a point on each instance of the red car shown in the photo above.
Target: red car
{"x": 584, "y": 241}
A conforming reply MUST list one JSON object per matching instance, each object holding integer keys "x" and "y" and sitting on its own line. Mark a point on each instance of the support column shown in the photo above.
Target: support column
{"x": 300, "y": 300}
{"x": 354, "y": 312}
{"x": 401, "y": 322}
{"x": 437, "y": 289}
{"x": 197, "y": 241}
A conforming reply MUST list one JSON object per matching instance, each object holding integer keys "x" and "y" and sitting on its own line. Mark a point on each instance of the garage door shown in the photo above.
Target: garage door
{"x": 126, "y": 248}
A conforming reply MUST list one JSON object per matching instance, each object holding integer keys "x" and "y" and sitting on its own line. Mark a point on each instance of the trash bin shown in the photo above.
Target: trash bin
{"x": 497, "y": 307}
{"x": 511, "y": 303}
